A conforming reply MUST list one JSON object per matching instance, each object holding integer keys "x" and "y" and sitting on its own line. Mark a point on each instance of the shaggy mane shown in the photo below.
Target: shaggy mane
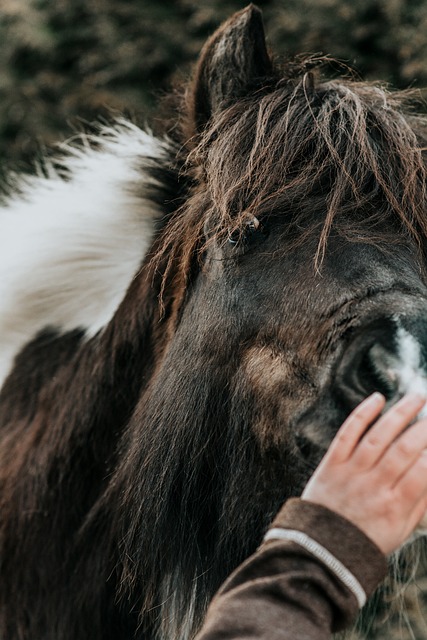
{"x": 351, "y": 152}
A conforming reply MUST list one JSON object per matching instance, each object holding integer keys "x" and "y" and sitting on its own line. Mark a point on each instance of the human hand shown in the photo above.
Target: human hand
{"x": 377, "y": 478}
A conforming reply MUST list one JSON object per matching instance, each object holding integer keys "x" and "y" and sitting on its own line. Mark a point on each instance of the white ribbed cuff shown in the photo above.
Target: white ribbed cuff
{"x": 346, "y": 577}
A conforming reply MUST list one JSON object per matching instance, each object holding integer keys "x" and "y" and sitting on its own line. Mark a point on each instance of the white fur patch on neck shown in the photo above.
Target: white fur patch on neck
{"x": 69, "y": 248}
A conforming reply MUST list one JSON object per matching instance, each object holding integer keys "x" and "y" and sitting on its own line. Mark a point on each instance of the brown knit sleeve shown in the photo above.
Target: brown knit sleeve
{"x": 284, "y": 591}
{"x": 350, "y": 546}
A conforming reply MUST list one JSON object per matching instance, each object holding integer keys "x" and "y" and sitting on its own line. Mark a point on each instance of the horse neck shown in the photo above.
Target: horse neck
{"x": 67, "y": 400}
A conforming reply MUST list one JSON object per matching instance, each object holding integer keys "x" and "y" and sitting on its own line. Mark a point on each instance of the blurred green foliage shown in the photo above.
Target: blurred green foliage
{"x": 63, "y": 62}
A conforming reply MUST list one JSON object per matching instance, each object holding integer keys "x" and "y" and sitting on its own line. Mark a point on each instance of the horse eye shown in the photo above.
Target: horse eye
{"x": 253, "y": 225}
{"x": 252, "y": 230}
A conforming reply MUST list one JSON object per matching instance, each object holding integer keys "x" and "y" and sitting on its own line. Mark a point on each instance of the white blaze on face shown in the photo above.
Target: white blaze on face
{"x": 411, "y": 376}
{"x": 402, "y": 369}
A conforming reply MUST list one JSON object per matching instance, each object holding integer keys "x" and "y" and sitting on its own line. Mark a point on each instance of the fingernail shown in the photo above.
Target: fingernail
{"x": 375, "y": 398}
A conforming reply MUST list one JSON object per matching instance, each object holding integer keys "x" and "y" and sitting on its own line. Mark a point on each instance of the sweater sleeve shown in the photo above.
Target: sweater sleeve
{"x": 306, "y": 580}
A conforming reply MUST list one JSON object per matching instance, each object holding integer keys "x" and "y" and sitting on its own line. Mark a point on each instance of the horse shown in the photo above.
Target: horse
{"x": 186, "y": 319}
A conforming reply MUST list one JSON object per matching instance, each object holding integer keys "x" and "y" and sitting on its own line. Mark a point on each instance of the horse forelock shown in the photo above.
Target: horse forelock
{"x": 320, "y": 154}
{"x": 315, "y": 155}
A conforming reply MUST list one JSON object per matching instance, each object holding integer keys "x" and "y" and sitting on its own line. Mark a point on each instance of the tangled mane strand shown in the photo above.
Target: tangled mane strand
{"x": 329, "y": 152}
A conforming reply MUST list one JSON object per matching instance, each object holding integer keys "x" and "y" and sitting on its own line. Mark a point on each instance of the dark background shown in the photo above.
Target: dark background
{"x": 67, "y": 62}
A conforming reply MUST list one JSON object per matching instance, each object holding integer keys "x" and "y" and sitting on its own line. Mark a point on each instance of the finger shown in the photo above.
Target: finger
{"x": 377, "y": 440}
{"x": 354, "y": 427}
{"x": 412, "y": 486}
{"x": 402, "y": 453}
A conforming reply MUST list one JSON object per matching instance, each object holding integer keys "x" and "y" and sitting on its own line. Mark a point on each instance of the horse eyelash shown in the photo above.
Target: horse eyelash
{"x": 252, "y": 226}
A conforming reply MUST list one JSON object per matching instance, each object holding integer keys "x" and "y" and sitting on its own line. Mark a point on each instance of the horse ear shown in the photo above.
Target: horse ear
{"x": 230, "y": 62}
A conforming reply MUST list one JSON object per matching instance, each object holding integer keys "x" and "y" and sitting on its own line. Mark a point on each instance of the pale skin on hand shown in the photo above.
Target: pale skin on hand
{"x": 377, "y": 477}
